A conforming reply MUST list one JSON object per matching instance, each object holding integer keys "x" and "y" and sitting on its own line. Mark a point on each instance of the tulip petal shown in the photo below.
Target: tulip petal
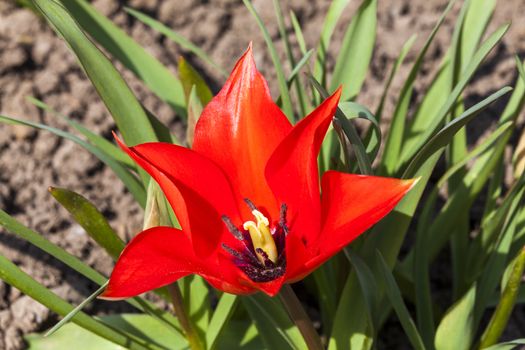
{"x": 196, "y": 188}
{"x": 239, "y": 129}
{"x": 292, "y": 171}
{"x": 351, "y": 204}
{"x": 154, "y": 258}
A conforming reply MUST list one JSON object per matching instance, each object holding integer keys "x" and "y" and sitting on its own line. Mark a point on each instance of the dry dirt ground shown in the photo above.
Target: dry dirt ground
{"x": 34, "y": 62}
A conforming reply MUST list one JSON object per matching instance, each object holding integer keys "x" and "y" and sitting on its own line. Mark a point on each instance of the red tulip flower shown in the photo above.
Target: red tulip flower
{"x": 253, "y": 212}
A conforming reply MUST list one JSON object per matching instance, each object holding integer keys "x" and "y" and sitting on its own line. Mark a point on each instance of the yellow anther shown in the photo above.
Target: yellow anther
{"x": 261, "y": 236}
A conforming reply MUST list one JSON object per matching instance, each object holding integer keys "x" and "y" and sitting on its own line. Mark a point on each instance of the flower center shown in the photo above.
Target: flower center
{"x": 262, "y": 256}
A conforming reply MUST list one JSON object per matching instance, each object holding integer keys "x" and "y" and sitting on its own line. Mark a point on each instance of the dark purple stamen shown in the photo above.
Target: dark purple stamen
{"x": 250, "y": 204}
{"x": 232, "y": 228}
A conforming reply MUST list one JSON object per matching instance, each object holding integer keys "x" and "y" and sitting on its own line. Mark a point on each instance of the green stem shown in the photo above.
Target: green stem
{"x": 501, "y": 315}
{"x": 180, "y": 311}
{"x": 298, "y": 315}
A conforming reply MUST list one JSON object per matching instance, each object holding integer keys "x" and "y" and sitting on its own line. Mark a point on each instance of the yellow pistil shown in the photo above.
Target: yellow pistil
{"x": 261, "y": 236}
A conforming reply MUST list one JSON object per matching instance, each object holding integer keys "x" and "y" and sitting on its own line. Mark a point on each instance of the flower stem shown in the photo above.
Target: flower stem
{"x": 300, "y": 318}
{"x": 187, "y": 326}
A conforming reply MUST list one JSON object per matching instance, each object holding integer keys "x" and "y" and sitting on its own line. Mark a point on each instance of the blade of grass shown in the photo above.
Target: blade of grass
{"x": 399, "y": 60}
{"x": 500, "y": 318}
{"x": 177, "y": 38}
{"x": 368, "y": 288}
{"x": 14, "y": 276}
{"x": 445, "y": 135}
{"x": 456, "y": 330}
{"x": 298, "y": 32}
{"x": 474, "y": 180}
{"x": 394, "y": 140}
{"x": 124, "y": 48}
{"x": 122, "y": 104}
{"x": 394, "y": 295}
{"x": 88, "y": 216}
{"x": 281, "y": 79}
{"x": 299, "y": 89}
{"x": 12, "y": 225}
{"x": 273, "y": 324}
{"x": 131, "y": 182}
{"x": 412, "y": 145}
{"x": 189, "y": 78}
{"x": 356, "y": 51}
{"x": 350, "y": 131}
{"x": 76, "y": 310}
{"x": 330, "y": 21}
{"x": 222, "y": 314}
{"x": 109, "y": 148}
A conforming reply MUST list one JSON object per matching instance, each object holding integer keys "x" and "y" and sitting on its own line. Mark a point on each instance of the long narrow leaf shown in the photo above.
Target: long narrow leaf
{"x": 281, "y": 79}
{"x": 394, "y": 295}
{"x": 222, "y": 314}
{"x": 179, "y": 39}
{"x": 159, "y": 78}
{"x": 14, "y": 276}
{"x": 88, "y": 216}
{"x": 131, "y": 182}
{"x": 122, "y": 104}
{"x": 356, "y": 51}
{"x": 394, "y": 140}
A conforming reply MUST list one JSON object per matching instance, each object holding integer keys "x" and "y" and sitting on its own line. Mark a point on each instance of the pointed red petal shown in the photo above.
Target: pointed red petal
{"x": 154, "y": 258}
{"x": 351, "y": 204}
{"x": 292, "y": 170}
{"x": 239, "y": 129}
{"x": 196, "y": 188}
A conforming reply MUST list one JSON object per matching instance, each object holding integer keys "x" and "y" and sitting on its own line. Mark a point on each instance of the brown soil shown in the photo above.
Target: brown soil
{"x": 34, "y": 62}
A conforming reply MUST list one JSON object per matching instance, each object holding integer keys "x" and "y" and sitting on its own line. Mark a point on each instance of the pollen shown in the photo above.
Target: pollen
{"x": 262, "y": 238}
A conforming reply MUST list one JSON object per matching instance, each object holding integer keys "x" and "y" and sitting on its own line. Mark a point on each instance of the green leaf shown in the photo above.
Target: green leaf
{"x": 85, "y": 340}
{"x": 356, "y": 51}
{"x": 474, "y": 180}
{"x": 88, "y": 216}
{"x": 349, "y": 129}
{"x": 124, "y": 48}
{"x": 129, "y": 116}
{"x": 12, "y": 225}
{"x": 131, "y": 182}
{"x": 330, "y": 21}
{"x": 299, "y": 88}
{"x": 190, "y": 78}
{"x": 298, "y": 32}
{"x": 220, "y": 318}
{"x": 394, "y": 141}
{"x": 394, "y": 295}
{"x": 414, "y": 144}
{"x": 501, "y": 315}
{"x": 196, "y": 297}
{"x": 507, "y": 345}
{"x": 445, "y": 135}
{"x": 281, "y": 79}
{"x": 420, "y": 274}
{"x": 76, "y": 310}
{"x": 242, "y": 336}
{"x": 194, "y": 111}
{"x": 177, "y": 38}
{"x": 354, "y": 110}
{"x": 456, "y": 329}
{"x": 14, "y": 276}
{"x": 368, "y": 288}
{"x": 399, "y": 60}
{"x": 104, "y": 145}
{"x": 275, "y": 327}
